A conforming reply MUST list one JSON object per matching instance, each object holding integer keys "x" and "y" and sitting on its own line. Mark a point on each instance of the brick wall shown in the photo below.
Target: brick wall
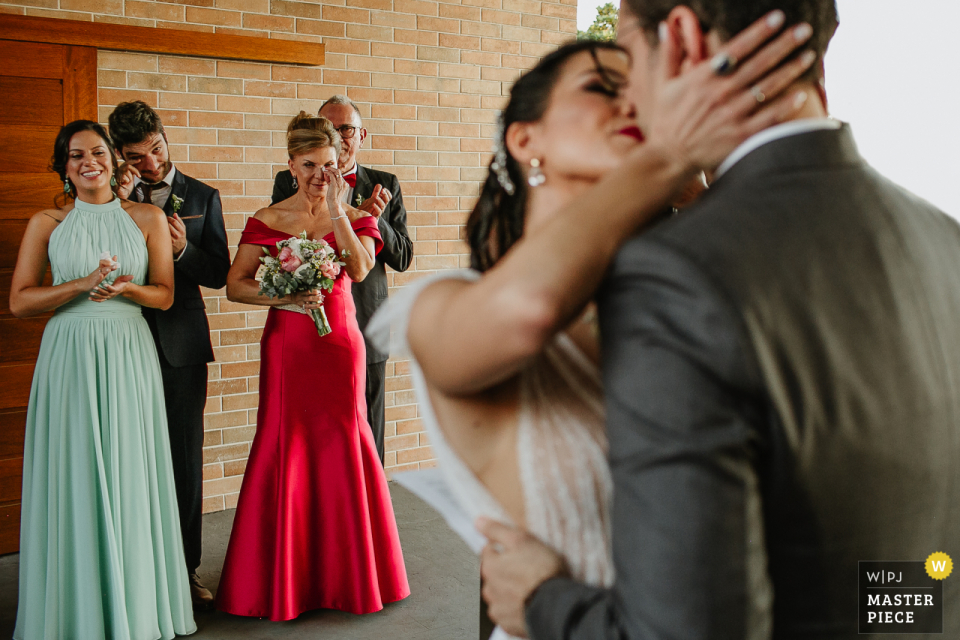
{"x": 428, "y": 76}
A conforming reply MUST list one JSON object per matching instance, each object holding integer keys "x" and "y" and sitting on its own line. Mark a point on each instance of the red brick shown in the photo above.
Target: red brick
{"x": 407, "y": 456}
{"x": 269, "y": 89}
{"x": 391, "y": 19}
{"x": 321, "y": 27}
{"x": 419, "y": 7}
{"x": 153, "y": 10}
{"x": 416, "y": 37}
{"x": 234, "y": 468}
{"x": 343, "y": 14}
{"x": 459, "y": 12}
{"x": 198, "y": 15}
{"x": 269, "y": 23}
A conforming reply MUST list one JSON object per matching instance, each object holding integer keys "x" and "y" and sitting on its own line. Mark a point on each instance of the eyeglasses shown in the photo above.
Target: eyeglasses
{"x": 347, "y": 131}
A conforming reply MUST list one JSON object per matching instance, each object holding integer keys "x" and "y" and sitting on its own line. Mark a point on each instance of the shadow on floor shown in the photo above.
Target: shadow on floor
{"x": 443, "y": 573}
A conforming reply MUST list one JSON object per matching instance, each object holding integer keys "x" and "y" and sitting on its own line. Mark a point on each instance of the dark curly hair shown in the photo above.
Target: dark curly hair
{"x": 61, "y": 152}
{"x": 134, "y": 122}
{"x": 497, "y": 220}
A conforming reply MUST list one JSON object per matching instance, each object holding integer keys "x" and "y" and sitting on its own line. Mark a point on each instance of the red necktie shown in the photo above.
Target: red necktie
{"x": 351, "y": 179}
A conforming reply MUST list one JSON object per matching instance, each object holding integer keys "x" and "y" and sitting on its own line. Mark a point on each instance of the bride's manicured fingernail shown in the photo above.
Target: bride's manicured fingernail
{"x": 799, "y": 100}
{"x": 802, "y": 32}
{"x": 775, "y": 19}
{"x": 808, "y": 58}
{"x": 663, "y": 31}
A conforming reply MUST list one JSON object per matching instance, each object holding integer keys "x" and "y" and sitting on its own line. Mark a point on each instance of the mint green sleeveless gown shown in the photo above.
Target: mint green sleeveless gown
{"x": 100, "y": 549}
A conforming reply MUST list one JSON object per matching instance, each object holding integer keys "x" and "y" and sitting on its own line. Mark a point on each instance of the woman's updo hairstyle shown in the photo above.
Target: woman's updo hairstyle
{"x": 61, "y": 153}
{"x": 307, "y": 132}
{"x": 496, "y": 222}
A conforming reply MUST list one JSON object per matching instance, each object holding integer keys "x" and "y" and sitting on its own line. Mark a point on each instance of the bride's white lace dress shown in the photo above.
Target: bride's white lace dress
{"x": 561, "y": 444}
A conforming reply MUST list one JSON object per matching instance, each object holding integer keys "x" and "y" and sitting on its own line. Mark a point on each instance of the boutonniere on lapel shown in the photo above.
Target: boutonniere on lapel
{"x": 358, "y": 200}
{"x": 177, "y": 203}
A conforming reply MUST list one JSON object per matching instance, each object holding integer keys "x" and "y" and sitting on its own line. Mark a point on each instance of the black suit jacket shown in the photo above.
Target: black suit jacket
{"x": 397, "y": 249}
{"x": 182, "y": 332}
{"x": 782, "y": 370}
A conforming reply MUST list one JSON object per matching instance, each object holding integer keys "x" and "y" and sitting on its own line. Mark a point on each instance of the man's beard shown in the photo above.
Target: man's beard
{"x": 164, "y": 170}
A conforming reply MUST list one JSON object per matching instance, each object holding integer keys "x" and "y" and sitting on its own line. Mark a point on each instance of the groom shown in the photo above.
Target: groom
{"x": 782, "y": 369}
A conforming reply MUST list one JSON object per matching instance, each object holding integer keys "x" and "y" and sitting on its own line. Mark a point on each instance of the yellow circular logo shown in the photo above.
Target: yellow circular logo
{"x": 939, "y": 565}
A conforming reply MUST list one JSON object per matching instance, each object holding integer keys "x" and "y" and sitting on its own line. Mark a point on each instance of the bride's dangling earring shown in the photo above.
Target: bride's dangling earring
{"x": 535, "y": 176}
{"x": 113, "y": 181}
{"x": 295, "y": 185}
{"x": 66, "y": 186}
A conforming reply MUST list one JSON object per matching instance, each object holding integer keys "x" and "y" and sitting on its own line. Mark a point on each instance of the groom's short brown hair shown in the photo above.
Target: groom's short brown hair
{"x": 134, "y": 122}
{"x": 729, "y": 17}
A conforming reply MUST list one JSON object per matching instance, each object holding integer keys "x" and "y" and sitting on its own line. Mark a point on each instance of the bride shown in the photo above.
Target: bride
{"x": 504, "y": 355}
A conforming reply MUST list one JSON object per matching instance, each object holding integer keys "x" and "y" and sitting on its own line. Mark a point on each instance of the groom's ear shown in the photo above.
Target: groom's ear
{"x": 685, "y": 26}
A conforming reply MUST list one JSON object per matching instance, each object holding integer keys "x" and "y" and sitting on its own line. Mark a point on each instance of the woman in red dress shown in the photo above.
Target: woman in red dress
{"x": 314, "y": 527}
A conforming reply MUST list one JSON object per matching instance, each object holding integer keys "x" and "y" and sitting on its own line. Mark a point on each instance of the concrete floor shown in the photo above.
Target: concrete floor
{"x": 443, "y": 573}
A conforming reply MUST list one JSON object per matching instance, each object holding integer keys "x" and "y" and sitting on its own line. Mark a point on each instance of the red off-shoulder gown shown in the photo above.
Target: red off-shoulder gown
{"x": 314, "y": 527}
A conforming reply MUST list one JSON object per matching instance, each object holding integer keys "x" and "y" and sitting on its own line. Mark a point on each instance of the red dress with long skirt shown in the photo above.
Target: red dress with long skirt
{"x": 314, "y": 527}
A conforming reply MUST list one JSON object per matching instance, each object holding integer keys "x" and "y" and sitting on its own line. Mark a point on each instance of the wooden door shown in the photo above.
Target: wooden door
{"x": 44, "y": 86}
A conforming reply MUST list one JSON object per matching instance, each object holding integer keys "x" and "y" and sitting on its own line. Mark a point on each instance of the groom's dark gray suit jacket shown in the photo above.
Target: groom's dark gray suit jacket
{"x": 782, "y": 369}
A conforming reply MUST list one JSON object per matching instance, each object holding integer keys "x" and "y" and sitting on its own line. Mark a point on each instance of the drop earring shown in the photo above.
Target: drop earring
{"x": 113, "y": 181}
{"x": 295, "y": 185}
{"x": 66, "y": 186}
{"x": 535, "y": 177}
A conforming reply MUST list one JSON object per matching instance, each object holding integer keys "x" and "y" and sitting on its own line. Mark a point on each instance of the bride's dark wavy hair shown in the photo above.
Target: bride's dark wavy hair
{"x": 497, "y": 220}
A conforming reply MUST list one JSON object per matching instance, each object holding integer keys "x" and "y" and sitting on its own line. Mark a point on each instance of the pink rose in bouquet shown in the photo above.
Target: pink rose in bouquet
{"x": 301, "y": 265}
{"x": 289, "y": 261}
{"x": 330, "y": 270}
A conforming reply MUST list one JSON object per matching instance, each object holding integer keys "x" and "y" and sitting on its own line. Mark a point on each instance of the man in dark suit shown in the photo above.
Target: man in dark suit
{"x": 181, "y": 333}
{"x": 781, "y": 364}
{"x": 378, "y": 193}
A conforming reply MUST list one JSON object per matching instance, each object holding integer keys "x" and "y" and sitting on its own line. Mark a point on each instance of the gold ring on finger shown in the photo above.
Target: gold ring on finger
{"x": 758, "y": 94}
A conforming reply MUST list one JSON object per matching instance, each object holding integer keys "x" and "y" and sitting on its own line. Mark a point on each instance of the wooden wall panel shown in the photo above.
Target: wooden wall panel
{"x": 121, "y": 37}
{"x": 27, "y": 148}
{"x": 11, "y": 232}
{"x": 9, "y": 527}
{"x": 43, "y": 105}
{"x": 11, "y": 433}
{"x": 11, "y": 483}
{"x": 15, "y": 390}
{"x": 26, "y": 193}
{"x": 32, "y": 60}
{"x": 79, "y": 84}
{"x": 20, "y": 338}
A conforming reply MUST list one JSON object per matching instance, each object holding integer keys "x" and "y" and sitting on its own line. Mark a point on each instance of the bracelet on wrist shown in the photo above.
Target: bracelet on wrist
{"x": 342, "y": 215}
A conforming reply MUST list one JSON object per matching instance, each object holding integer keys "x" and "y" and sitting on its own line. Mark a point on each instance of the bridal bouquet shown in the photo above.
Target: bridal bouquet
{"x": 300, "y": 265}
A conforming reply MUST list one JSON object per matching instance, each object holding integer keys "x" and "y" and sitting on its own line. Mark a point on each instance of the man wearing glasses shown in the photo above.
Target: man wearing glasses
{"x": 378, "y": 193}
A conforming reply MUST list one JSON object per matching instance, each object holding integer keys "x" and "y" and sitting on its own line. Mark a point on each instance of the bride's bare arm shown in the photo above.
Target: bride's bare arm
{"x": 470, "y": 336}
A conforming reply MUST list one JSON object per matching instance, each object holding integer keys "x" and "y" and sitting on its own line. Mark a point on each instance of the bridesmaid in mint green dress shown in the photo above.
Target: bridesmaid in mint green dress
{"x": 100, "y": 549}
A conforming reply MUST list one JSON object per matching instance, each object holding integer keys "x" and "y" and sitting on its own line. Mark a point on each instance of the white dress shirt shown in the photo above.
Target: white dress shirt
{"x": 777, "y": 132}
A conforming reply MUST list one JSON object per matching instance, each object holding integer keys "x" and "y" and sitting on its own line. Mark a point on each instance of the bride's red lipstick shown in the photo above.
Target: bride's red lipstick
{"x": 633, "y": 132}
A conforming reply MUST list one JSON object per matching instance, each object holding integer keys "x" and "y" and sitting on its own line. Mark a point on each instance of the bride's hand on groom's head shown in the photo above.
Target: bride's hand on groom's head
{"x": 703, "y": 114}
{"x": 513, "y": 565}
